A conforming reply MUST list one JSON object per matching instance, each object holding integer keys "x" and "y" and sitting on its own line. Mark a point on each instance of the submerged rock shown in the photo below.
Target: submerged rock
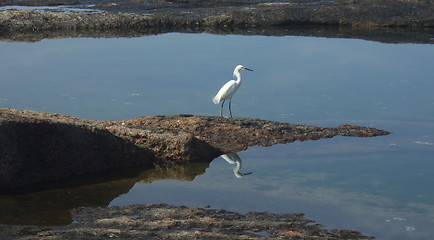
{"x": 39, "y": 147}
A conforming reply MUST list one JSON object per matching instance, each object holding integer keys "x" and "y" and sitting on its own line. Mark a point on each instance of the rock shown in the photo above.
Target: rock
{"x": 38, "y": 147}
{"x": 257, "y": 17}
{"x": 229, "y": 135}
{"x": 161, "y": 221}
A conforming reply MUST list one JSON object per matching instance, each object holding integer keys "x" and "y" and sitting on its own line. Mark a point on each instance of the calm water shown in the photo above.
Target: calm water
{"x": 380, "y": 186}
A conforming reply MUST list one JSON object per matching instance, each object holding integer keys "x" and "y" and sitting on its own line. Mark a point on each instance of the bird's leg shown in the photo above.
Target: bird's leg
{"x": 230, "y": 110}
{"x": 221, "y": 109}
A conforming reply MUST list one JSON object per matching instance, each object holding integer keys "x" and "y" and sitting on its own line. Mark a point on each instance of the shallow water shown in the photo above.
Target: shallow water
{"x": 59, "y": 8}
{"x": 380, "y": 186}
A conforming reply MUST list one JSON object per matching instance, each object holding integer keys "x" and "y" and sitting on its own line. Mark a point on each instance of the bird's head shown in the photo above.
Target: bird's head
{"x": 241, "y": 67}
{"x": 240, "y": 175}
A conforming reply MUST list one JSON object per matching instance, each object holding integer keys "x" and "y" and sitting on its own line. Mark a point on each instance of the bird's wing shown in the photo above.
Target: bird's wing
{"x": 226, "y": 91}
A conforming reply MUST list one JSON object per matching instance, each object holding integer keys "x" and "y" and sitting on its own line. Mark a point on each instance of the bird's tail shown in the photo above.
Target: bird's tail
{"x": 216, "y": 100}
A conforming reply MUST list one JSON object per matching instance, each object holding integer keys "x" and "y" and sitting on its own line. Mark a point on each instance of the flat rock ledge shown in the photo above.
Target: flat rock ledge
{"x": 161, "y": 221}
{"x": 225, "y": 14}
{"x": 38, "y": 147}
{"x": 409, "y": 19}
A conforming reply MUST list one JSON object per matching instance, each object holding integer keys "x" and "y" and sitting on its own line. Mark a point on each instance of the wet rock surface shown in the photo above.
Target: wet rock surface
{"x": 39, "y": 147}
{"x": 372, "y": 19}
{"x": 161, "y": 221}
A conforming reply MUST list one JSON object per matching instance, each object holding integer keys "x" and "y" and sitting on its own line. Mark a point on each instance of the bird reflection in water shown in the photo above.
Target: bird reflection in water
{"x": 233, "y": 158}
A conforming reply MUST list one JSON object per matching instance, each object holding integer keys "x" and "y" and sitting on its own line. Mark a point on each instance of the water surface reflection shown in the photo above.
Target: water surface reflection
{"x": 233, "y": 158}
{"x": 385, "y": 35}
{"x": 51, "y": 204}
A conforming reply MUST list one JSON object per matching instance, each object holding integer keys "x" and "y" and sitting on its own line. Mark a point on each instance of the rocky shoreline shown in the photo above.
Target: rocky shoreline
{"x": 38, "y": 147}
{"x": 379, "y": 20}
{"x": 161, "y": 221}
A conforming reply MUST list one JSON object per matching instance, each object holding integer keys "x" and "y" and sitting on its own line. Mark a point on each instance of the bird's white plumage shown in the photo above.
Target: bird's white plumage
{"x": 233, "y": 158}
{"x": 229, "y": 89}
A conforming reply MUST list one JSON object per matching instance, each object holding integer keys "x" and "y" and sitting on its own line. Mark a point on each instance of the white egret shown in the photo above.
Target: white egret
{"x": 228, "y": 90}
{"x": 233, "y": 158}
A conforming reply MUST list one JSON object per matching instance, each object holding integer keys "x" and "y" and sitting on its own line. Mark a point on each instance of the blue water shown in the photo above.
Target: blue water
{"x": 380, "y": 186}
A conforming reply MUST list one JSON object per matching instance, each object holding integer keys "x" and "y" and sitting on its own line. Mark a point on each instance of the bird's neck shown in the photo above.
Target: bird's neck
{"x": 238, "y": 75}
{"x": 237, "y": 170}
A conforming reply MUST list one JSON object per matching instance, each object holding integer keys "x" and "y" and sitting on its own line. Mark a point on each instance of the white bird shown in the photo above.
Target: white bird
{"x": 228, "y": 90}
{"x": 233, "y": 158}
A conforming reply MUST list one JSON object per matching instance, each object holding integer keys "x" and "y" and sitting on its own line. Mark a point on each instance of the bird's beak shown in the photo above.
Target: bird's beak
{"x": 248, "y": 69}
